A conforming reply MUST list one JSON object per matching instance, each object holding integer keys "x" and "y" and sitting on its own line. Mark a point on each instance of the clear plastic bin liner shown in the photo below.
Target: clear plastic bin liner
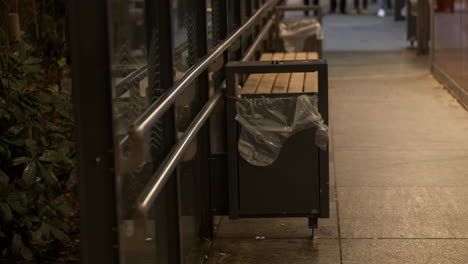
{"x": 296, "y": 31}
{"x": 268, "y": 122}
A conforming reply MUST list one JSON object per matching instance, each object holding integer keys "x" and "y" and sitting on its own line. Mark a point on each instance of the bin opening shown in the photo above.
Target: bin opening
{"x": 268, "y": 122}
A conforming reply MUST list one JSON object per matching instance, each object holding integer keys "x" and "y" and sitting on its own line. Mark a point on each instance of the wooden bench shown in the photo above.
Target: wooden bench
{"x": 298, "y": 82}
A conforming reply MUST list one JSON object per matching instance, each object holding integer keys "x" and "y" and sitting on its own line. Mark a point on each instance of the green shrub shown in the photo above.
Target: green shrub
{"x": 37, "y": 153}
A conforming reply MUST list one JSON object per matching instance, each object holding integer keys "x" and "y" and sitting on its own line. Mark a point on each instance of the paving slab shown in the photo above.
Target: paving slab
{"x": 413, "y": 212}
{"x": 370, "y": 57}
{"x": 390, "y": 114}
{"x": 402, "y": 168}
{"x": 405, "y": 251}
{"x": 364, "y": 32}
{"x": 275, "y": 251}
{"x": 385, "y": 70}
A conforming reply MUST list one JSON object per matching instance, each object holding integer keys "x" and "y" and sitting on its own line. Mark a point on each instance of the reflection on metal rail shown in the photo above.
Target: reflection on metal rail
{"x": 137, "y": 75}
{"x": 160, "y": 106}
{"x": 142, "y": 72}
{"x": 162, "y": 175}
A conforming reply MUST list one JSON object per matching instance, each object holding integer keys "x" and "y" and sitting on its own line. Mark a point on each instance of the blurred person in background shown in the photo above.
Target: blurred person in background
{"x": 384, "y": 4}
{"x": 333, "y": 4}
{"x": 357, "y": 10}
{"x": 307, "y": 2}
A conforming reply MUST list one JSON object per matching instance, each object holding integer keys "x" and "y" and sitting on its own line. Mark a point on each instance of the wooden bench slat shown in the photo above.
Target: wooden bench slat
{"x": 254, "y": 80}
{"x": 296, "y": 85}
{"x": 311, "y": 78}
{"x": 282, "y": 80}
{"x": 268, "y": 80}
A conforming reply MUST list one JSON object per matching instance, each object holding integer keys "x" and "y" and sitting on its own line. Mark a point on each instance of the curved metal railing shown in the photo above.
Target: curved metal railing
{"x": 160, "y": 106}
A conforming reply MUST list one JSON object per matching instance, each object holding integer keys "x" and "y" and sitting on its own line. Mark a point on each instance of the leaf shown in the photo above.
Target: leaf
{"x": 5, "y": 213}
{"x": 26, "y": 253}
{"x": 54, "y": 88}
{"x": 2, "y": 235}
{"x": 18, "y": 246}
{"x": 43, "y": 140}
{"x": 4, "y": 179}
{"x": 19, "y": 142}
{"x": 5, "y": 114}
{"x": 18, "y": 202}
{"x": 59, "y": 235}
{"x": 49, "y": 178}
{"x": 25, "y": 221}
{"x": 51, "y": 156}
{"x": 5, "y": 152}
{"x": 16, "y": 243}
{"x": 65, "y": 147}
{"x": 21, "y": 160}
{"x": 46, "y": 212}
{"x": 16, "y": 112}
{"x": 62, "y": 62}
{"x": 34, "y": 219}
{"x": 59, "y": 223}
{"x": 33, "y": 60}
{"x": 31, "y": 144}
{"x": 58, "y": 201}
{"x": 34, "y": 68}
{"x": 15, "y": 130}
{"x": 65, "y": 209}
{"x": 45, "y": 230}
{"x": 54, "y": 157}
{"x": 42, "y": 98}
{"x": 38, "y": 237}
{"x": 29, "y": 173}
{"x": 23, "y": 50}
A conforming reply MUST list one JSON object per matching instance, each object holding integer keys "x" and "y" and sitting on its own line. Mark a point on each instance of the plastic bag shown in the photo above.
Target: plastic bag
{"x": 268, "y": 122}
{"x": 296, "y": 31}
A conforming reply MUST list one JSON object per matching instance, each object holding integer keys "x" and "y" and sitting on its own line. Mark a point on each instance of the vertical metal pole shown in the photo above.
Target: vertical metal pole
{"x": 246, "y": 9}
{"x": 423, "y": 27}
{"x": 254, "y": 5}
{"x": 158, "y": 18}
{"x": 220, "y": 30}
{"x": 232, "y": 133}
{"x": 234, "y": 21}
{"x": 248, "y": 35}
{"x": 92, "y": 100}
{"x": 432, "y": 31}
{"x": 218, "y": 158}
{"x": 199, "y": 45}
{"x": 323, "y": 155}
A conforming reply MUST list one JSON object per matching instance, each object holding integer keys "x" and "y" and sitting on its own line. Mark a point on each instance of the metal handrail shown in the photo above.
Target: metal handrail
{"x": 162, "y": 175}
{"x": 158, "y": 108}
{"x": 163, "y": 103}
